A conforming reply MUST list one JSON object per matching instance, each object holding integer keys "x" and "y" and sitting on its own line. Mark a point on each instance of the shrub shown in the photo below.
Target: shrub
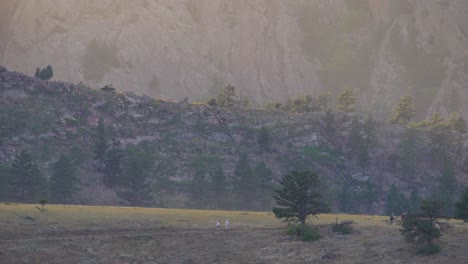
{"x": 429, "y": 250}
{"x": 309, "y": 233}
{"x": 304, "y": 232}
{"x": 344, "y": 228}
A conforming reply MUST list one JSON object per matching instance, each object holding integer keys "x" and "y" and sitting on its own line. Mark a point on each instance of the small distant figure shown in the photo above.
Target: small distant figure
{"x": 403, "y": 216}
{"x": 226, "y": 224}
{"x": 392, "y": 217}
{"x": 218, "y": 225}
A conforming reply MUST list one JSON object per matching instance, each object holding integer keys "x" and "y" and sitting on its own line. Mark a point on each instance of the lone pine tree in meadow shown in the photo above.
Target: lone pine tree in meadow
{"x": 299, "y": 196}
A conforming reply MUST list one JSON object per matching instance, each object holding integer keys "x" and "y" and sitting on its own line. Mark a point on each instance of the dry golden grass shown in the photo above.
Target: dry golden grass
{"x": 98, "y": 234}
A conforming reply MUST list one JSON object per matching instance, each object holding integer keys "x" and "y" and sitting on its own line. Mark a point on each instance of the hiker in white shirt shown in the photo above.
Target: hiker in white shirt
{"x": 226, "y": 225}
{"x": 218, "y": 224}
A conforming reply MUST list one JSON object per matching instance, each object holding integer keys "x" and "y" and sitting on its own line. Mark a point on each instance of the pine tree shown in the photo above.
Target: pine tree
{"x": 5, "y": 186}
{"x": 245, "y": 183}
{"x": 264, "y": 139}
{"x": 298, "y": 197}
{"x": 441, "y": 139}
{"x": 100, "y": 145}
{"x": 457, "y": 122}
{"x": 447, "y": 188}
{"x": 404, "y": 111}
{"x": 220, "y": 188}
{"x": 44, "y": 74}
{"x": 346, "y": 101}
{"x": 135, "y": 180}
{"x": 424, "y": 227}
{"x": 27, "y": 179}
{"x": 265, "y": 176}
{"x": 461, "y": 206}
{"x": 227, "y": 96}
{"x": 407, "y": 151}
{"x": 396, "y": 202}
{"x": 64, "y": 181}
{"x": 113, "y": 165}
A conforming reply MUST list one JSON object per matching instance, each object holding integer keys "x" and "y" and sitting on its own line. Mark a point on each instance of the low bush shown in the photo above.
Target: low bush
{"x": 344, "y": 228}
{"x": 429, "y": 250}
{"x": 304, "y": 232}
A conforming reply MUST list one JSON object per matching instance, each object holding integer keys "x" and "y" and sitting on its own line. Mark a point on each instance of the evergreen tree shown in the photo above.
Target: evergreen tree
{"x": 424, "y": 227}
{"x": 447, "y": 188}
{"x": 264, "y": 139}
{"x": 396, "y": 202}
{"x": 113, "y": 165}
{"x": 265, "y": 176}
{"x": 220, "y": 188}
{"x": 27, "y": 179}
{"x": 461, "y": 206}
{"x": 457, "y": 122}
{"x": 44, "y": 74}
{"x": 64, "y": 181}
{"x": 441, "y": 139}
{"x": 415, "y": 201}
{"x": 404, "y": 111}
{"x": 204, "y": 168}
{"x": 346, "y": 101}
{"x": 245, "y": 183}
{"x": 5, "y": 186}
{"x": 407, "y": 151}
{"x": 298, "y": 197}
{"x": 227, "y": 96}
{"x": 100, "y": 145}
{"x": 136, "y": 177}
{"x": 330, "y": 124}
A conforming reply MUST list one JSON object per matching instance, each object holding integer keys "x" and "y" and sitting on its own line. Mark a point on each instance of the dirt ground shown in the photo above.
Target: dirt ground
{"x": 55, "y": 242}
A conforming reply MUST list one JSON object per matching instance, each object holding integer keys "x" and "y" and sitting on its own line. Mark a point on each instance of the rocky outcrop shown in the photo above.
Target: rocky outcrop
{"x": 268, "y": 49}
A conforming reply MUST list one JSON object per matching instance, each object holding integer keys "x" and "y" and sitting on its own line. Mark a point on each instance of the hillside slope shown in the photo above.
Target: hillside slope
{"x": 185, "y": 141}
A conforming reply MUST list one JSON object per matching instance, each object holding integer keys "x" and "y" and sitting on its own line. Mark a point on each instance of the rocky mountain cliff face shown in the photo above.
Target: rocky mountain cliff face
{"x": 268, "y": 49}
{"x": 54, "y": 118}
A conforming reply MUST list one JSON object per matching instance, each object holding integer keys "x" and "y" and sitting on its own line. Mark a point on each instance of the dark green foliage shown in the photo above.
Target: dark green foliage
{"x": 304, "y": 232}
{"x": 357, "y": 197}
{"x": 226, "y": 97}
{"x": 201, "y": 190}
{"x": 298, "y": 197}
{"x": 64, "y": 181}
{"x": 42, "y": 202}
{"x": 26, "y": 178}
{"x": 404, "y": 111}
{"x": 344, "y": 228}
{"x": 100, "y": 143}
{"x": 457, "y": 122}
{"x": 442, "y": 141}
{"x": 309, "y": 233}
{"x": 136, "y": 175}
{"x": 461, "y": 206}
{"x": 345, "y": 102}
{"x": 396, "y": 202}
{"x": 219, "y": 186}
{"x": 45, "y": 74}
{"x": 429, "y": 250}
{"x": 407, "y": 151}
{"x": 447, "y": 188}
{"x": 212, "y": 102}
{"x": 415, "y": 201}
{"x": 264, "y": 139}
{"x": 5, "y": 186}
{"x": 424, "y": 227}
{"x": 245, "y": 183}
{"x": 265, "y": 188}
{"x": 113, "y": 165}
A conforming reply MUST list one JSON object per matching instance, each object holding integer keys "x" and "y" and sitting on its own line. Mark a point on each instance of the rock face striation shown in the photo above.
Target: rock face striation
{"x": 268, "y": 49}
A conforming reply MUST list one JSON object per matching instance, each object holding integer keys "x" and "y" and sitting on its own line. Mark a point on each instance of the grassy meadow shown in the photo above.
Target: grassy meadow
{"x": 104, "y": 234}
